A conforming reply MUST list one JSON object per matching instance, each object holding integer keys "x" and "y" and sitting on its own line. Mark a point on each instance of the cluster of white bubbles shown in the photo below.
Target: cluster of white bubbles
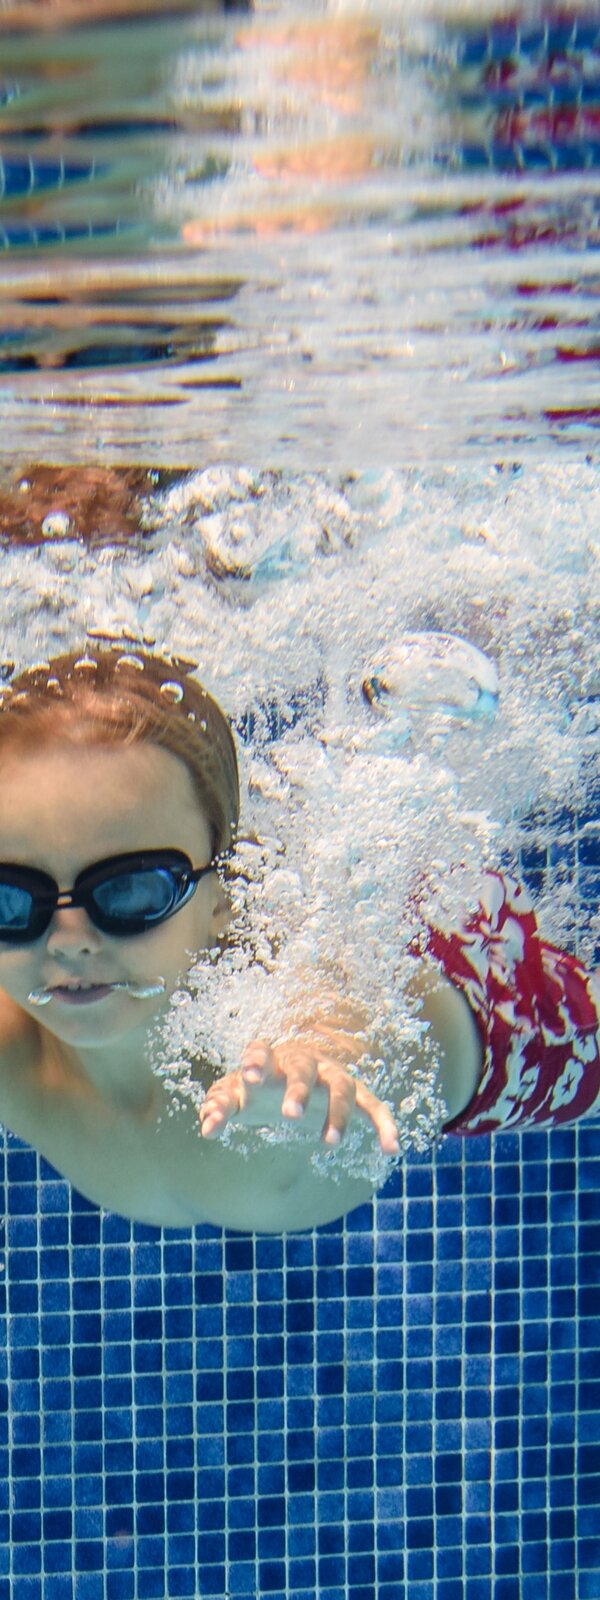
{"x": 411, "y": 661}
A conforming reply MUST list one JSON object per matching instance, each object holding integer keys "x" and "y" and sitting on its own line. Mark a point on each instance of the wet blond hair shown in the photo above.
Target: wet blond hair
{"x": 115, "y": 696}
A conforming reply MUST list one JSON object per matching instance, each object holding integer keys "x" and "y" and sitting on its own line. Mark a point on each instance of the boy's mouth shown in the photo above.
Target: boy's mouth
{"x": 83, "y": 994}
{"x": 79, "y": 993}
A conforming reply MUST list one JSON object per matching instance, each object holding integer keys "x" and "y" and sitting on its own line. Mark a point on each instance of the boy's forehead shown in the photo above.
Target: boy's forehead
{"x": 89, "y": 761}
{"x": 120, "y": 789}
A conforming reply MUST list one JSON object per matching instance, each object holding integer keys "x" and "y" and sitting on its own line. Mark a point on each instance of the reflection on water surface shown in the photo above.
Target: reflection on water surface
{"x": 360, "y": 236}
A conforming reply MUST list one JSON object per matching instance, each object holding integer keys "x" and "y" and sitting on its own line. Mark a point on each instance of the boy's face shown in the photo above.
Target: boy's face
{"x": 64, "y": 808}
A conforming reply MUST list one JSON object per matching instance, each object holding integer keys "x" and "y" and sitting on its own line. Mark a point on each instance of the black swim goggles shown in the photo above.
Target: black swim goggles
{"x": 123, "y": 895}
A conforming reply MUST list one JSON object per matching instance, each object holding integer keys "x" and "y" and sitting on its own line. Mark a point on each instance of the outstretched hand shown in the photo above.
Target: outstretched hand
{"x": 295, "y": 1081}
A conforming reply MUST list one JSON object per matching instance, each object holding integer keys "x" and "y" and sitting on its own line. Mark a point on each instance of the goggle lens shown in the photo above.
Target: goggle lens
{"x": 125, "y": 895}
{"x": 137, "y": 894}
{"x": 15, "y": 908}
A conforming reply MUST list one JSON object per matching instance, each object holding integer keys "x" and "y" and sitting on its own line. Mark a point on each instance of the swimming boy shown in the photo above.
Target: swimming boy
{"x": 119, "y": 791}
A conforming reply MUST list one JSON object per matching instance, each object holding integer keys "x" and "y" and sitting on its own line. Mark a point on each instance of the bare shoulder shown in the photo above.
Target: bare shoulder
{"x": 20, "y": 1035}
{"x": 21, "y": 1057}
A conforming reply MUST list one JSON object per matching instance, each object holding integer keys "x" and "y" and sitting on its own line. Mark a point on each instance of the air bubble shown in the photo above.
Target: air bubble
{"x": 172, "y": 691}
{"x": 56, "y": 525}
{"x": 438, "y": 670}
{"x": 85, "y": 664}
{"x": 131, "y": 661}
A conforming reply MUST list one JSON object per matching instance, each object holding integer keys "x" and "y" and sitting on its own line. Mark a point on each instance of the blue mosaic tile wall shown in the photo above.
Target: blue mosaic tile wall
{"x": 407, "y": 1405}
{"x": 529, "y": 88}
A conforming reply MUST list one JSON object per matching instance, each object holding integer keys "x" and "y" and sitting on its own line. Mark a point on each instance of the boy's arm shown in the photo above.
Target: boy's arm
{"x": 343, "y": 1028}
{"x": 454, "y": 1034}
{"x": 275, "y": 1186}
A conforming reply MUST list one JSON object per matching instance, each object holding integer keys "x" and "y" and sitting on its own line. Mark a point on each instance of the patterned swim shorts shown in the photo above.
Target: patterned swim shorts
{"x": 536, "y": 1015}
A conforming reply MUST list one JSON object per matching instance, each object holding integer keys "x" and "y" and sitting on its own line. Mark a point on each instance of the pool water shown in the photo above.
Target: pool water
{"x": 215, "y": 224}
{"x": 335, "y": 248}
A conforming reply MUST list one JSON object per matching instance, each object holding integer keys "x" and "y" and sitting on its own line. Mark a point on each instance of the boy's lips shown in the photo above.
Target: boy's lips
{"x": 83, "y": 994}
{"x": 81, "y": 983}
{"x": 76, "y": 992}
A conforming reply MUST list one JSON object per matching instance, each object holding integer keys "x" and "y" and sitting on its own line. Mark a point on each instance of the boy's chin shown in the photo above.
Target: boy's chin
{"x": 92, "y": 1026}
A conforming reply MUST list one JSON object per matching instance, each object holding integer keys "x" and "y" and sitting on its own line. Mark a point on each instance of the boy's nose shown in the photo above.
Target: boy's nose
{"x": 71, "y": 929}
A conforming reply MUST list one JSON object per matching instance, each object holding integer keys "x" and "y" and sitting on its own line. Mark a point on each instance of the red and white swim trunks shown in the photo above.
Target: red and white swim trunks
{"x": 536, "y": 1015}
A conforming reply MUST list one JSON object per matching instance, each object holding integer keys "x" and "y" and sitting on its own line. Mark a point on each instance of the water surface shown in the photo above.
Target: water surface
{"x": 299, "y": 235}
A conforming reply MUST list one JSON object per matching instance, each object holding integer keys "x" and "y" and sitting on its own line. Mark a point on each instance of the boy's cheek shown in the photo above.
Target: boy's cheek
{"x": 221, "y": 918}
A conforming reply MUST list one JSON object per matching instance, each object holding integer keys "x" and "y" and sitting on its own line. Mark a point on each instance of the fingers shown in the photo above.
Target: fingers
{"x": 293, "y": 1064}
{"x": 294, "y": 1071}
{"x": 304, "y": 1072}
{"x": 342, "y": 1101}
{"x": 347, "y": 1095}
{"x": 300, "y": 1067}
{"x": 222, "y": 1102}
{"x": 257, "y": 1060}
{"x": 381, "y": 1118}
